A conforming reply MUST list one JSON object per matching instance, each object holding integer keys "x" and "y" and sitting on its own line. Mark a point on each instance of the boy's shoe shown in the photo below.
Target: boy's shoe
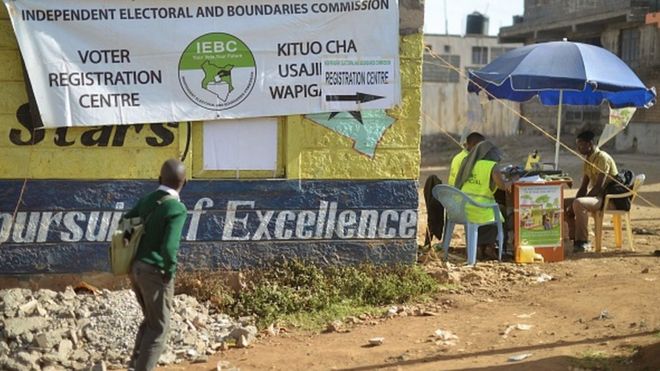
{"x": 580, "y": 246}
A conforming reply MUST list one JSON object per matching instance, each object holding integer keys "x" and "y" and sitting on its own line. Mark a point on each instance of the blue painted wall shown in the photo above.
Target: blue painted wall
{"x": 64, "y": 226}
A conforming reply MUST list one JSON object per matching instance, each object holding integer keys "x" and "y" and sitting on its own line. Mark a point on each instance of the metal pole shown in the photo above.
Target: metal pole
{"x": 561, "y": 99}
{"x": 446, "y": 20}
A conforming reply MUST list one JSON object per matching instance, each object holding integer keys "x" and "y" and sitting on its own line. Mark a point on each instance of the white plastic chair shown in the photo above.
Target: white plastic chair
{"x": 455, "y": 201}
{"x": 616, "y": 217}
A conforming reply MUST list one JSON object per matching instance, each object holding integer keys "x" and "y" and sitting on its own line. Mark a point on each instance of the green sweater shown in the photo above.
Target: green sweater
{"x": 162, "y": 235}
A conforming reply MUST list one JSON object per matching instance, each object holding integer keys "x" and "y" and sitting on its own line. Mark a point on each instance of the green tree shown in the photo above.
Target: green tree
{"x": 542, "y": 199}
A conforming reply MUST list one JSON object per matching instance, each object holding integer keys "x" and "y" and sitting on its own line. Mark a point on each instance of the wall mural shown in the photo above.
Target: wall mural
{"x": 65, "y": 226}
{"x": 365, "y": 128}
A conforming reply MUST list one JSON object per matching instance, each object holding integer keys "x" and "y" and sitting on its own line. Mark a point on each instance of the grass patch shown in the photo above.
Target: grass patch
{"x": 598, "y": 360}
{"x": 308, "y": 296}
{"x": 593, "y": 360}
{"x": 316, "y": 321}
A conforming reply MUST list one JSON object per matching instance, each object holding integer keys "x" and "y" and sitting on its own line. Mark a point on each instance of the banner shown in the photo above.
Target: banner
{"x": 104, "y": 62}
{"x": 619, "y": 119}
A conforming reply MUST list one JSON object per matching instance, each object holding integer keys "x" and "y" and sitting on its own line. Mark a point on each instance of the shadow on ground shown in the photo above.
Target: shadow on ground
{"x": 645, "y": 358}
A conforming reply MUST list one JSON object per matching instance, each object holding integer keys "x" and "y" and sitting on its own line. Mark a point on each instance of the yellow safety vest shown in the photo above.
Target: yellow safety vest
{"x": 478, "y": 188}
{"x": 455, "y": 166}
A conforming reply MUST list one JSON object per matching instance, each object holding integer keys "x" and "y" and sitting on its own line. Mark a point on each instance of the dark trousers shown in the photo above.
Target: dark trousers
{"x": 487, "y": 235}
{"x": 155, "y": 299}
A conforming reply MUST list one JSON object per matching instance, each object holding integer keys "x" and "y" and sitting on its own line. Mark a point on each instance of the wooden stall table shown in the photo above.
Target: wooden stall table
{"x": 539, "y": 220}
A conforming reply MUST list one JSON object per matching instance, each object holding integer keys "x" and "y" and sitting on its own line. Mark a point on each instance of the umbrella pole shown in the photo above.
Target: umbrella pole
{"x": 561, "y": 99}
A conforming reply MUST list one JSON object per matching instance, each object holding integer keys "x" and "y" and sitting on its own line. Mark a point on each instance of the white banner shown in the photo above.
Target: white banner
{"x": 104, "y": 62}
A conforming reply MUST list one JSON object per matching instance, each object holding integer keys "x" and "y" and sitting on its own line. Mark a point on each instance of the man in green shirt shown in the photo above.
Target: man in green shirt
{"x": 154, "y": 267}
{"x": 599, "y": 169}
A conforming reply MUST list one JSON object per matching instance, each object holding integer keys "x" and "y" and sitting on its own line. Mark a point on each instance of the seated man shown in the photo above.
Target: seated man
{"x": 458, "y": 158}
{"x": 434, "y": 210}
{"x": 479, "y": 177}
{"x": 599, "y": 169}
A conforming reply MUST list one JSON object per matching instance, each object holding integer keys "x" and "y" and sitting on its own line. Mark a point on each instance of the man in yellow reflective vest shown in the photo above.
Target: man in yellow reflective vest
{"x": 470, "y": 142}
{"x": 478, "y": 176}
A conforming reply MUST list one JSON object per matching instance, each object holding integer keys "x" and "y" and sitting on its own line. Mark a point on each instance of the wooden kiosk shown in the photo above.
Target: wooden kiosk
{"x": 539, "y": 218}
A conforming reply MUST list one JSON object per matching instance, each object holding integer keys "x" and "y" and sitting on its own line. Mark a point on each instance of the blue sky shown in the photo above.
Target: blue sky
{"x": 499, "y": 12}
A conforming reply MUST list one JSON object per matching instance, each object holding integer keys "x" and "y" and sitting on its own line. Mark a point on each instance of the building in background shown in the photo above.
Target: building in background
{"x": 446, "y": 105}
{"x": 628, "y": 28}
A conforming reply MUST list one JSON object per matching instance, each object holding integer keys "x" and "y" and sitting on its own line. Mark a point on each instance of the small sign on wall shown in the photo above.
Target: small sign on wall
{"x": 246, "y": 144}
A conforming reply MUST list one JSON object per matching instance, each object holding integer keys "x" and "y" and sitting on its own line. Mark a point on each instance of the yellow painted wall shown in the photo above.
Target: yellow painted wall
{"x": 135, "y": 159}
{"x": 316, "y": 152}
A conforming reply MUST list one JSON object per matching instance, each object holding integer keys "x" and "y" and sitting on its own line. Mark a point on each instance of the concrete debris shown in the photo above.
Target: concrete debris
{"x": 335, "y": 326}
{"x": 543, "y": 278}
{"x": 225, "y": 366}
{"x": 47, "y": 340}
{"x": 48, "y": 330}
{"x": 99, "y": 366}
{"x": 28, "y": 308}
{"x": 15, "y": 327}
{"x": 391, "y": 312}
{"x": 507, "y": 330}
{"x": 272, "y": 330}
{"x": 64, "y": 349}
{"x": 445, "y": 337}
{"x": 486, "y": 277}
{"x": 376, "y": 341}
{"x": 519, "y": 357}
{"x": 519, "y": 326}
{"x": 604, "y": 314}
{"x": 244, "y": 336}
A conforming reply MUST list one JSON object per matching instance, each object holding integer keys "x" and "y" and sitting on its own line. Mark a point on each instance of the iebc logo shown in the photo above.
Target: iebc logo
{"x": 217, "y": 71}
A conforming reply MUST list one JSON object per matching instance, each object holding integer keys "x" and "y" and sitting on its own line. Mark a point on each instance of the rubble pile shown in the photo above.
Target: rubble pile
{"x": 48, "y": 330}
{"x": 497, "y": 279}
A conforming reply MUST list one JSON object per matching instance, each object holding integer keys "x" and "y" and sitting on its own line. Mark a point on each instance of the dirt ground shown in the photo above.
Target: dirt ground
{"x": 599, "y": 311}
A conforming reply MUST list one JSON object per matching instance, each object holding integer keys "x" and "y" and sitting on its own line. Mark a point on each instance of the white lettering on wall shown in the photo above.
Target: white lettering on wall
{"x": 44, "y": 225}
{"x": 281, "y": 232}
{"x": 345, "y": 223}
{"x": 196, "y": 215}
{"x": 383, "y": 230}
{"x": 306, "y": 219}
{"x": 25, "y": 232}
{"x": 242, "y": 222}
{"x": 75, "y": 233}
{"x": 230, "y": 220}
{"x": 5, "y": 227}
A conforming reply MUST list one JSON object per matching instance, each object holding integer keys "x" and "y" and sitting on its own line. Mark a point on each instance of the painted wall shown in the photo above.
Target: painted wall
{"x": 445, "y": 104}
{"x": 73, "y": 183}
{"x": 232, "y": 225}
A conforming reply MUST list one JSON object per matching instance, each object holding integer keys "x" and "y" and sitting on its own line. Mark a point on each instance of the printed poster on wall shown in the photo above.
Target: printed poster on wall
{"x": 105, "y": 62}
{"x": 540, "y": 216}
